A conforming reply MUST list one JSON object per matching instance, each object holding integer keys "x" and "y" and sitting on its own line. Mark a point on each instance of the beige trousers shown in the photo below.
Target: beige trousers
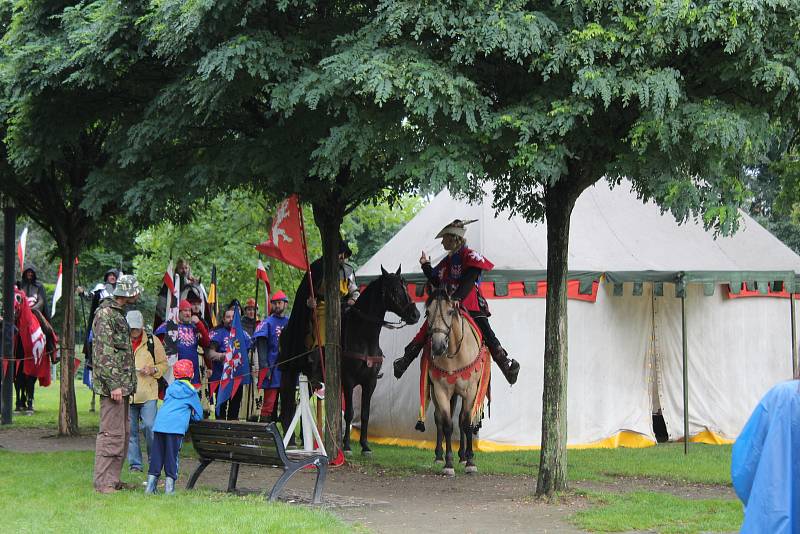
{"x": 111, "y": 447}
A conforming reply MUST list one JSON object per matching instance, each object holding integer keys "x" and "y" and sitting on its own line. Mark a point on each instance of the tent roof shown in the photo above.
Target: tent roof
{"x": 611, "y": 232}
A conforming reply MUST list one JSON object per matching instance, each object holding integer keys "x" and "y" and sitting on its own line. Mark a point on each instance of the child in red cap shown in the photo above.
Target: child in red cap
{"x": 181, "y": 403}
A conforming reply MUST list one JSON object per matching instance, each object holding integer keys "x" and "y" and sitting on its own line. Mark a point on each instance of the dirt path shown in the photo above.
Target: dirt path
{"x": 422, "y": 503}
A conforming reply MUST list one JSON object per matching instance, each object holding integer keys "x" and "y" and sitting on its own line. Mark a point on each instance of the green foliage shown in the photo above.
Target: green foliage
{"x": 676, "y": 97}
{"x": 225, "y": 233}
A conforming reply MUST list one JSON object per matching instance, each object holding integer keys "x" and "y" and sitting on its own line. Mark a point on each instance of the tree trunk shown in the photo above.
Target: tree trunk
{"x": 68, "y": 411}
{"x": 329, "y": 224}
{"x": 553, "y": 459}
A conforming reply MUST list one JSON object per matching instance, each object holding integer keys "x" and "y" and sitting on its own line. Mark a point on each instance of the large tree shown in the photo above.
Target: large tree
{"x": 62, "y": 108}
{"x": 245, "y": 99}
{"x": 544, "y": 99}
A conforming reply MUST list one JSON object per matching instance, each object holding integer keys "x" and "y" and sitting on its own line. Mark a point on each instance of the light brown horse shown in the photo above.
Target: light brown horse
{"x": 458, "y": 366}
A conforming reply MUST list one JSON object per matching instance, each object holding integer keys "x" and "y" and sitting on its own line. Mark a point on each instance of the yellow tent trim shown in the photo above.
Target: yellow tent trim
{"x": 710, "y": 438}
{"x": 624, "y": 438}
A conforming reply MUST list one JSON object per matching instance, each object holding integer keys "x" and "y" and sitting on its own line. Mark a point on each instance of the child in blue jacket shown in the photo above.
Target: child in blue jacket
{"x": 181, "y": 403}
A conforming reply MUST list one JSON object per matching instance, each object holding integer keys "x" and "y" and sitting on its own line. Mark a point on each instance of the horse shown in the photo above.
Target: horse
{"x": 362, "y": 356}
{"x": 459, "y": 365}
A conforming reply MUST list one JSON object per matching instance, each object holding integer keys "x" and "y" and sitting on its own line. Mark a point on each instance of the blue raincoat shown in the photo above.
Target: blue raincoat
{"x": 765, "y": 468}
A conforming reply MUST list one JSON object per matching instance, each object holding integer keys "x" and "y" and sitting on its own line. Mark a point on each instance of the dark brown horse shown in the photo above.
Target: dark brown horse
{"x": 362, "y": 356}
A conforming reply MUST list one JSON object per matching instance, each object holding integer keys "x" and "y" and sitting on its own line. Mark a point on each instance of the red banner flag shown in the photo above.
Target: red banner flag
{"x": 286, "y": 241}
{"x": 33, "y": 339}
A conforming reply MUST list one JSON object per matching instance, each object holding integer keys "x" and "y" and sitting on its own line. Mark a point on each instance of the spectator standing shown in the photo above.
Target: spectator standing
{"x": 151, "y": 364}
{"x": 114, "y": 381}
{"x": 181, "y": 404}
{"x": 250, "y": 319}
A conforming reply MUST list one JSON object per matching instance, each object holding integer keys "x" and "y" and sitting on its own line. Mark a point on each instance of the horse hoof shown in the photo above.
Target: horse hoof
{"x": 438, "y": 461}
{"x": 348, "y": 452}
{"x": 462, "y": 462}
{"x": 449, "y": 472}
{"x": 366, "y": 452}
{"x": 471, "y": 469}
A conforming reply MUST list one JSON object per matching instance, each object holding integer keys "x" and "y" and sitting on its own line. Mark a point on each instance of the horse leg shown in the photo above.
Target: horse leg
{"x": 445, "y": 420}
{"x": 348, "y": 416}
{"x": 461, "y": 458}
{"x": 465, "y": 425}
{"x": 366, "y": 398}
{"x": 439, "y": 450}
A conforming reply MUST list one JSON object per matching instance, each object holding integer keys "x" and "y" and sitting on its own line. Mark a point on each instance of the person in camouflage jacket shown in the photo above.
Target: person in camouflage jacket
{"x": 114, "y": 381}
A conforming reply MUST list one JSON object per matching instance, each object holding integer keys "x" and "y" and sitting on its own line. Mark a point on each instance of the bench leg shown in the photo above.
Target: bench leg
{"x": 319, "y": 485}
{"x": 277, "y": 489}
{"x": 197, "y": 473}
{"x": 233, "y": 477}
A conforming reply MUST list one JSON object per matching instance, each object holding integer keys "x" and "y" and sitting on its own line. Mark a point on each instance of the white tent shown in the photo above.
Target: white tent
{"x": 629, "y": 264}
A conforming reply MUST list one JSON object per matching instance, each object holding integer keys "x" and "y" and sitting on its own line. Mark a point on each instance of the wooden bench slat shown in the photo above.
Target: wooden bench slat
{"x": 260, "y": 441}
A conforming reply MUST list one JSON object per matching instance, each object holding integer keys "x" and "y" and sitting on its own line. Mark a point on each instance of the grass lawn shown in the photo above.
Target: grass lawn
{"x": 649, "y": 511}
{"x": 705, "y": 464}
{"x": 45, "y": 406}
{"x": 53, "y": 492}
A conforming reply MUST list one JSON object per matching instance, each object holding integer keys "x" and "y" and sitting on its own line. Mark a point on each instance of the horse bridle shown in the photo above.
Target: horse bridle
{"x": 446, "y": 332}
{"x": 392, "y": 325}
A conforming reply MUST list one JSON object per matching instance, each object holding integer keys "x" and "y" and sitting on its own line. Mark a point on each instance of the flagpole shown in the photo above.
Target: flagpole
{"x": 320, "y": 418}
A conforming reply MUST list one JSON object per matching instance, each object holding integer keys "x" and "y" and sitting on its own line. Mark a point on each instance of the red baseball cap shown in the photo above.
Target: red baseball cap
{"x": 184, "y": 305}
{"x": 183, "y": 369}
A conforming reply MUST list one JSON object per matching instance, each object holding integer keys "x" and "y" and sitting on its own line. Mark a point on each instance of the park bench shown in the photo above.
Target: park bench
{"x": 252, "y": 444}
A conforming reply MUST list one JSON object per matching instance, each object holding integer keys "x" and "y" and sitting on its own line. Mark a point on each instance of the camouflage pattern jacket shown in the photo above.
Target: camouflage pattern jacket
{"x": 112, "y": 354}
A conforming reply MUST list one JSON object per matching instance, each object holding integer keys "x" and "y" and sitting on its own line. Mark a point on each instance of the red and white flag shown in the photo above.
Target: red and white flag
{"x": 173, "y": 292}
{"x": 56, "y": 291}
{"x": 261, "y": 274}
{"x": 286, "y": 241}
{"x": 23, "y": 242}
{"x": 33, "y": 340}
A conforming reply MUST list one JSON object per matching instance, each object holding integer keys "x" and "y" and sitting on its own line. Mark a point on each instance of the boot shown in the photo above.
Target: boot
{"x": 29, "y": 410}
{"x": 508, "y": 366}
{"x": 402, "y": 363}
{"x": 152, "y": 484}
{"x": 169, "y": 486}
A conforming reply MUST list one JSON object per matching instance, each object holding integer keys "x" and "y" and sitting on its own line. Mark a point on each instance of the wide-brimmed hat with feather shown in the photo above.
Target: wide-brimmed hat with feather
{"x": 456, "y": 228}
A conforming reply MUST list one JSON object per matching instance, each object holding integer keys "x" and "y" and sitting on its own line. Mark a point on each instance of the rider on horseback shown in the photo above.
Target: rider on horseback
{"x": 460, "y": 272}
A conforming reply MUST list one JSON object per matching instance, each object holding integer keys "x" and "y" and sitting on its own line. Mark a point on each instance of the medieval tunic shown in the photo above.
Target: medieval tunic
{"x": 267, "y": 340}
{"x": 460, "y": 273}
{"x": 181, "y": 342}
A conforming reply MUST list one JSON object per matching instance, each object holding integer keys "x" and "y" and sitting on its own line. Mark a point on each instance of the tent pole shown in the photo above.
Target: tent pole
{"x": 794, "y": 337}
{"x": 685, "y": 377}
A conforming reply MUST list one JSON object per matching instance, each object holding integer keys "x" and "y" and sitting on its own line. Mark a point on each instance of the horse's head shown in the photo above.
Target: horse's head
{"x": 396, "y": 298}
{"x": 19, "y": 301}
{"x": 441, "y": 312}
